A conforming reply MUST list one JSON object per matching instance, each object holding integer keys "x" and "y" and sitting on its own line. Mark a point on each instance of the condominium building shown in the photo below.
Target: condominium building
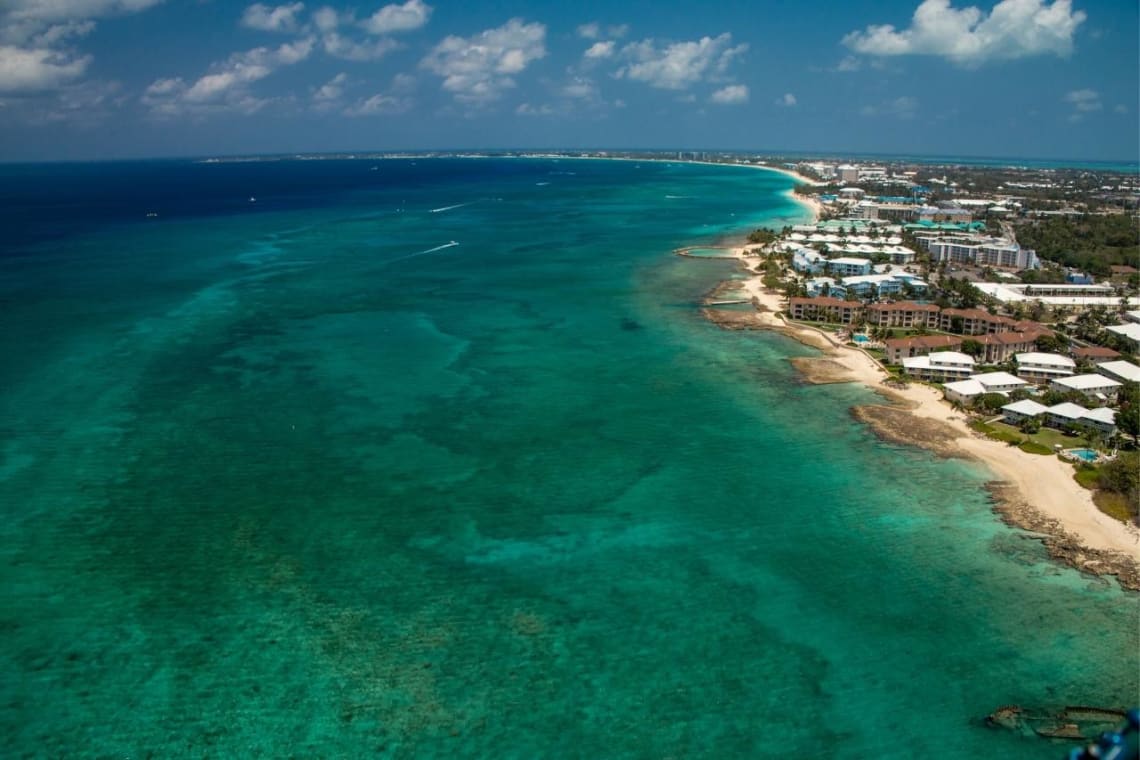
{"x": 906, "y": 314}
{"x": 824, "y": 309}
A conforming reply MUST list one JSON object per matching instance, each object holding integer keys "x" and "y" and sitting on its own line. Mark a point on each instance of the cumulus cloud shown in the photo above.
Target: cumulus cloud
{"x": 526, "y": 109}
{"x": 328, "y": 95}
{"x": 788, "y": 100}
{"x": 733, "y": 94}
{"x": 679, "y": 65}
{"x": 39, "y": 69}
{"x": 339, "y": 46}
{"x": 479, "y": 68}
{"x": 968, "y": 36}
{"x": 378, "y": 105}
{"x": 281, "y": 18}
{"x": 590, "y": 31}
{"x": 34, "y": 34}
{"x": 392, "y": 19}
{"x": 226, "y": 87}
{"x": 600, "y": 50}
{"x": 1084, "y": 100}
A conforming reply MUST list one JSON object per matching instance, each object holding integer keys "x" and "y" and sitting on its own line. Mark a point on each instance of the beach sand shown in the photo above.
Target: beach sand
{"x": 1034, "y": 492}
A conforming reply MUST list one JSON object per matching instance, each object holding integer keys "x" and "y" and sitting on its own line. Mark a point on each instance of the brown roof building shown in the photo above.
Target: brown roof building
{"x": 974, "y": 322}
{"x": 898, "y": 349}
{"x": 903, "y": 314}
{"x": 824, "y": 309}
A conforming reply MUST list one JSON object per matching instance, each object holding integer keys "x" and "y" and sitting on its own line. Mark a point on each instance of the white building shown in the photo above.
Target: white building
{"x": 1056, "y": 295}
{"x": 940, "y": 366}
{"x": 1019, "y": 411}
{"x": 807, "y": 261}
{"x": 1040, "y": 367}
{"x": 1092, "y": 386}
{"x": 963, "y": 391}
{"x": 999, "y": 382}
{"x": 845, "y": 266}
{"x": 1102, "y": 419}
{"x": 1125, "y": 372}
{"x": 1129, "y": 331}
{"x": 847, "y": 173}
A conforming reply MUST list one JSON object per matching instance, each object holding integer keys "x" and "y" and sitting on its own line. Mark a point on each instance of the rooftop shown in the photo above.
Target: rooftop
{"x": 1122, "y": 369}
{"x": 1052, "y": 360}
{"x": 1086, "y": 382}
{"x": 1028, "y": 407}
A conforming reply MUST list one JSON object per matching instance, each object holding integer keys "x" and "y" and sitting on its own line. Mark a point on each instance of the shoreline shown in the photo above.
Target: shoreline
{"x": 1031, "y": 492}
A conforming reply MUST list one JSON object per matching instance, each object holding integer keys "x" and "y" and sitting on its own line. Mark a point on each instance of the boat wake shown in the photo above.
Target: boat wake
{"x": 445, "y": 246}
{"x": 679, "y": 197}
{"x": 449, "y": 208}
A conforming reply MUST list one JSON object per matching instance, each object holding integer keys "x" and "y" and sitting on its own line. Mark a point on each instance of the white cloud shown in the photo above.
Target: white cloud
{"x": 34, "y": 57}
{"x": 327, "y": 19}
{"x": 600, "y": 50}
{"x": 849, "y": 63}
{"x": 1084, "y": 100}
{"x": 617, "y": 31}
{"x": 730, "y": 95}
{"x": 1013, "y": 29}
{"x": 580, "y": 88}
{"x": 227, "y": 86}
{"x": 37, "y": 70}
{"x": 329, "y": 94}
{"x": 526, "y": 109}
{"x": 1121, "y": 108}
{"x": 281, "y": 18}
{"x": 477, "y": 69}
{"x": 590, "y": 31}
{"x": 679, "y": 65}
{"x": 339, "y": 46}
{"x": 903, "y": 107}
{"x": 392, "y": 19}
{"x": 378, "y": 105}
{"x": 788, "y": 100}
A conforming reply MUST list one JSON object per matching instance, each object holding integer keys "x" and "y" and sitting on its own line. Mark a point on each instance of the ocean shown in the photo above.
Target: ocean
{"x": 438, "y": 458}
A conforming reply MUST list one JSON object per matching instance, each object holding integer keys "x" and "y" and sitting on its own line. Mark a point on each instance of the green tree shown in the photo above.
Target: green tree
{"x": 1128, "y": 416}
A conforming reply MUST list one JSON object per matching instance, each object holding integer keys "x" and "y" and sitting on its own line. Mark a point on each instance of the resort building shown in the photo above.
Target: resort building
{"x": 883, "y": 284}
{"x": 1093, "y": 387}
{"x": 1054, "y": 295}
{"x": 999, "y": 382}
{"x": 849, "y": 266}
{"x": 808, "y": 261}
{"x": 1125, "y": 372}
{"x": 1019, "y": 411}
{"x": 965, "y": 391}
{"x": 1102, "y": 419}
{"x": 991, "y": 252}
{"x": 1130, "y": 332}
{"x": 1064, "y": 415}
{"x": 1040, "y": 368}
{"x": 1094, "y": 354}
{"x": 940, "y": 366}
{"x": 1000, "y": 347}
{"x": 897, "y": 349}
{"x": 974, "y": 322}
{"x": 906, "y": 314}
{"x": 824, "y": 309}
{"x": 825, "y": 286}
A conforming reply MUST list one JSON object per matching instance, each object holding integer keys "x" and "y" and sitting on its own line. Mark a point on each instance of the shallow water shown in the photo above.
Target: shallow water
{"x": 293, "y": 477}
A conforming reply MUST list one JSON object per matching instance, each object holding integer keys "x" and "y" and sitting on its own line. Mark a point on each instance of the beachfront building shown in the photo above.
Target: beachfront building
{"x": 897, "y": 349}
{"x": 892, "y": 283}
{"x": 963, "y": 391}
{"x": 1125, "y": 372}
{"x": 905, "y": 314}
{"x": 1039, "y": 367}
{"x": 999, "y": 382}
{"x": 1102, "y": 419}
{"x": 974, "y": 322}
{"x": 825, "y": 286}
{"x": 808, "y": 261}
{"x": 940, "y": 366}
{"x": 845, "y": 266}
{"x": 1020, "y": 411}
{"x": 824, "y": 309}
{"x": 1093, "y": 387}
{"x": 979, "y": 251}
{"x": 1055, "y": 295}
{"x": 1003, "y": 346}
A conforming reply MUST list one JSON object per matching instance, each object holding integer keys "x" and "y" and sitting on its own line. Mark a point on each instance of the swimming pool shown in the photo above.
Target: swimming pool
{"x": 1086, "y": 455}
{"x": 860, "y": 338}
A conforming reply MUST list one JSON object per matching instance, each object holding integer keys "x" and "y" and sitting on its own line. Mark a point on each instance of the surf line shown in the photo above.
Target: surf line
{"x": 449, "y": 244}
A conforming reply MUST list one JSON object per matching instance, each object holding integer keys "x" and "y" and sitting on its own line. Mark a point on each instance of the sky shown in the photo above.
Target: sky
{"x": 104, "y": 79}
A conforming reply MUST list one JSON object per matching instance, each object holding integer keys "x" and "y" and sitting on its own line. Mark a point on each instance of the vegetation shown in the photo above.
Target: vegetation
{"x": 1117, "y": 485}
{"x": 763, "y": 236}
{"x": 1091, "y": 243}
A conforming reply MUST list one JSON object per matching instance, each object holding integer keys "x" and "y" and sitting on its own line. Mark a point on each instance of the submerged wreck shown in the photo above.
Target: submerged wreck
{"x": 1072, "y": 723}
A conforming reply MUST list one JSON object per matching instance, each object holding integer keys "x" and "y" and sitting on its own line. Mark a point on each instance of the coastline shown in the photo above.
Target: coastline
{"x": 1032, "y": 492}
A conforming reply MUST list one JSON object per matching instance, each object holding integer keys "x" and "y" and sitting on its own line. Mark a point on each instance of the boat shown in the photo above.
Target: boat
{"x": 1071, "y": 723}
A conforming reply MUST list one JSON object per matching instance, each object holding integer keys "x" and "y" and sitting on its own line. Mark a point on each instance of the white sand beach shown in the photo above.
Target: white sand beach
{"x": 1045, "y": 483}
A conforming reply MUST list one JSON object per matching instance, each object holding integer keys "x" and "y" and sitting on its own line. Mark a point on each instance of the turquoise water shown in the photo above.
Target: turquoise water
{"x": 860, "y": 338}
{"x": 1088, "y": 455}
{"x": 293, "y": 478}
